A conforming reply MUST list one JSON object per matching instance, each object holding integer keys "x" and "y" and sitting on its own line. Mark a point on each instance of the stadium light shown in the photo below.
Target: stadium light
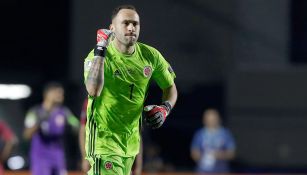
{"x": 14, "y": 91}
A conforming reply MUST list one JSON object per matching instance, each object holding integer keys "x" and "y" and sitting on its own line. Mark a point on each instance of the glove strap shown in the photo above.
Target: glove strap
{"x": 100, "y": 51}
{"x": 168, "y": 106}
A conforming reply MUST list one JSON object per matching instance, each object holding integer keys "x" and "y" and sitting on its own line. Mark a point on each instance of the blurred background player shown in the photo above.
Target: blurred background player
{"x": 213, "y": 145}
{"x": 85, "y": 165}
{"x": 117, "y": 79}
{"x": 8, "y": 141}
{"x": 45, "y": 126}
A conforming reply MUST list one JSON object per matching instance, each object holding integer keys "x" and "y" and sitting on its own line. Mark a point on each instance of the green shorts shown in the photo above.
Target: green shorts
{"x": 111, "y": 165}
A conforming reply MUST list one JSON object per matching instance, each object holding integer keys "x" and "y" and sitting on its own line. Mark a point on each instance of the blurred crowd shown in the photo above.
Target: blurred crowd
{"x": 45, "y": 124}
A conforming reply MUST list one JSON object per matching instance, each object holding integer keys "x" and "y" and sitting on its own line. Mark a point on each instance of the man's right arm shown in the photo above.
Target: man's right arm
{"x": 95, "y": 78}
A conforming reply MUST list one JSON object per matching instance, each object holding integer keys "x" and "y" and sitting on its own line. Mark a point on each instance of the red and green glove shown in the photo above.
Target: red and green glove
{"x": 155, "y": 115}
{"x": 103, "y": 38}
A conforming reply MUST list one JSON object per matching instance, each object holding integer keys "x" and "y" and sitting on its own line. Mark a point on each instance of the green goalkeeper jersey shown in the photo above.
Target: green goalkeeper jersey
{"x": 114, "y": 117}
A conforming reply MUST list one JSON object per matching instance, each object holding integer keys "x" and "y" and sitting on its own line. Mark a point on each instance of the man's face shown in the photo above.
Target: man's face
{"x": 211, "y": 118}
{"x": 56, "y": 95}
{"x": 126, "y": 26}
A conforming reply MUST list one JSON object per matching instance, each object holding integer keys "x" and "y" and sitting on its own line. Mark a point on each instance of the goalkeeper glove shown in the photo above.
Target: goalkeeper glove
{"x": 103, "y": 38}
{"x": 156, "y": 115}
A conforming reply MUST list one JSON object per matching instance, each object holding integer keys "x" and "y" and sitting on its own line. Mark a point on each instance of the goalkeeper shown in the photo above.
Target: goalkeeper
{"x": 117, "y": 75}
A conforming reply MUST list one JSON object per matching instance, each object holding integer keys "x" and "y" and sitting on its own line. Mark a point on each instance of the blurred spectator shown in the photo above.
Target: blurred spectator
{"x": 85, "y": 165}
{"x": 213, "y": 145}
{"x": 8, "y": 140}
{"x": 45, "y": 126}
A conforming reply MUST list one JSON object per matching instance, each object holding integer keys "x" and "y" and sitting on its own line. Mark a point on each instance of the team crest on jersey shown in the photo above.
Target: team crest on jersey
{"x": 108, "y": 165}
{"x": 147, "y": 71}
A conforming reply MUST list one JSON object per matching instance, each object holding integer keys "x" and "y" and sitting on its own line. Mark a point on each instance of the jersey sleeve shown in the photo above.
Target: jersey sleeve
{"x": 87, "y": 63}
{"x": 31, "y": 119}
{"x": 163, "y": 73}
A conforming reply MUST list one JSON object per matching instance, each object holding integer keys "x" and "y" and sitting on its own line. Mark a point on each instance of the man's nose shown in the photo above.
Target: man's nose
{"x": 131, "y": 27}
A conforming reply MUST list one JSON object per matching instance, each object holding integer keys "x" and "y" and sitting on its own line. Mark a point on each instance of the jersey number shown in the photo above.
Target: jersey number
{"x": 131, "y": 90}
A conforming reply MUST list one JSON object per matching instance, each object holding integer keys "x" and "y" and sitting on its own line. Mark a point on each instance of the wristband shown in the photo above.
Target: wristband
{"x": 168, "y": 106}
{"x": 100, "y": 51}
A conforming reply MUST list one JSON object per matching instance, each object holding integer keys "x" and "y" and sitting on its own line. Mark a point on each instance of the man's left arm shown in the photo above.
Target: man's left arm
{"x": 155, "y": 115}
{"x": 170, "y": 94}
{"x": 164, "y": 76}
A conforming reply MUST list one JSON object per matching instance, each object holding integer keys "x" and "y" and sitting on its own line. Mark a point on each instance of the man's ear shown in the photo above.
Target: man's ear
{"x": 111, "y": 27}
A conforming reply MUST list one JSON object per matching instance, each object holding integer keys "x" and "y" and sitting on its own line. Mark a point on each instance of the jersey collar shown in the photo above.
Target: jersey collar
{"x": 121, "y": 54}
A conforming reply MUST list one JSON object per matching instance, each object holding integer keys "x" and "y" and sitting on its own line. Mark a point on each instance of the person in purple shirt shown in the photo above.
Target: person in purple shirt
{"x": 213, "y": 145}
{"x": 45, "y": 126}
